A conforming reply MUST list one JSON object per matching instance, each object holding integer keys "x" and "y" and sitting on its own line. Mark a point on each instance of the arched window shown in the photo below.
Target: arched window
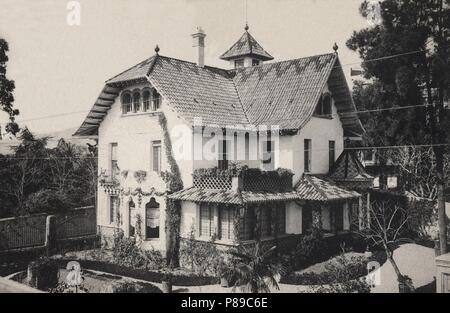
{"x": 156, "y": 100}
{"x": 146, "y": 98}
{"x": 136, "y": 101}
{"x": 126, "y": 102}
{"x": 132, "y": 220}
{"x": 152, "y": 219}
{"x": 323, "y": 109}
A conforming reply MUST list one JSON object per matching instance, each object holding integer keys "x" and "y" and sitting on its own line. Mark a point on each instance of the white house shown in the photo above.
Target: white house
{"x": 224, "y": 132}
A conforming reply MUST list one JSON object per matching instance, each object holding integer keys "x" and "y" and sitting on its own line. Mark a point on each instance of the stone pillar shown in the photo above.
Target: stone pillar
{"x": 50, "y": 234}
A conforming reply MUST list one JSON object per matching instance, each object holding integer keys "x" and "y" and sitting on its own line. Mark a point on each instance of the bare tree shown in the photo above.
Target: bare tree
{"x": 417, "y": 166}
{"x": 387, "y": 223}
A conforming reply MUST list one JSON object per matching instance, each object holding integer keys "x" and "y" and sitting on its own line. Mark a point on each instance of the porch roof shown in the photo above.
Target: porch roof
{"x": 230, "y": 197}
{"x": 311, "y": 187}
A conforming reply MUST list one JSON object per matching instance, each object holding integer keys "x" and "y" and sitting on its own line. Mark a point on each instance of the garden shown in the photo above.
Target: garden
{"x": 317, "y": 264}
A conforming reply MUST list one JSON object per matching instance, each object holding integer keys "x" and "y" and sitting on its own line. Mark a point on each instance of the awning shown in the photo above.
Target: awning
{"x": 312, "y": 187}
{"x": 230, "y": 197}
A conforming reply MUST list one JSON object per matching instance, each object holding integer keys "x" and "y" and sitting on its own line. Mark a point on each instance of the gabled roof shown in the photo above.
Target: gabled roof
{"x": 246, "y": 46}
{"x": 311, "y": 187}
{"x": 282, "y": 93}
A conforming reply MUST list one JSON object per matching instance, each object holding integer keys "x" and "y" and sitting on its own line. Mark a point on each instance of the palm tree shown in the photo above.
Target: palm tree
{"x": 255, "y": 270}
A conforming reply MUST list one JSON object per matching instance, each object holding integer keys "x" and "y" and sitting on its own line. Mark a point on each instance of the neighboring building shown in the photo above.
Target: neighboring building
{"x": 386, "y": 176}
{"x": 147, "y": 119}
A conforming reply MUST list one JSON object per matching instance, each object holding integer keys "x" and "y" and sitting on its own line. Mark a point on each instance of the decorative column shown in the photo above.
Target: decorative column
{"x": 239, "y": 214}
{"x": 317, "y": 217}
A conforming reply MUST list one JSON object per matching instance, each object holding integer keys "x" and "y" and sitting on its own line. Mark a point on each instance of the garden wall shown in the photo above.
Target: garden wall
{"x": 36, "y": 231}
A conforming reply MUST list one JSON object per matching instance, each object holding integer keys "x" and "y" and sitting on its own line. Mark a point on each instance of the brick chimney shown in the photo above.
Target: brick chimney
{"x": 199, "y": 42}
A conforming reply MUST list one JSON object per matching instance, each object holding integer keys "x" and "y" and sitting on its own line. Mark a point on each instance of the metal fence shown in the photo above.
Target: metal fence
{"x": 30, "y": 231}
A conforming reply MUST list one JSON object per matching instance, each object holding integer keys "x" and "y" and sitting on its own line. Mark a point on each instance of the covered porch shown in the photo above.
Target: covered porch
{"x": 242, "y": 208}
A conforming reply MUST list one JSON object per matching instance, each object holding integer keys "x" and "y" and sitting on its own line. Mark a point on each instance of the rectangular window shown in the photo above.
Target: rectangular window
{"x": 113, "y": 208}
{"x": 307, "y": 157}
{"x": 281, "y": 218}
{"x": 206, "y": 220}
{"x": 223, "y": 155}
{"x": 368, "y": 155}
{"x": 115, "y": 171}
{"x": 266, "y": 221}
{"x": 255, "y": 62}
{"x": 337, "y": 219}
{"x": 307, "y": 219}
{"x": 239, "y": 63}
{"x": 156, "y": 156}
{"x": 331, "y": 153}
{"x": 226, "y": 223}
{"x": 269, "y": 155}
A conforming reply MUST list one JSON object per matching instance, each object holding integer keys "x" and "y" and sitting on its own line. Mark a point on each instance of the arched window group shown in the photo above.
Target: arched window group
{"x": 140, "y": 100}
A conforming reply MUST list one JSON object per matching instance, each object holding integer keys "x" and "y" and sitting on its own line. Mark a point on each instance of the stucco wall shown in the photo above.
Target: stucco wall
{"x": 134, "y": 134}
{"x": 320, "y": 131}
{"x": 188, "y": 218}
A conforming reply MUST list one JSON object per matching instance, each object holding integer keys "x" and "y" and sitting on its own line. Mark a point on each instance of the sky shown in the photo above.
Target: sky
{"x": 60, "y": 69}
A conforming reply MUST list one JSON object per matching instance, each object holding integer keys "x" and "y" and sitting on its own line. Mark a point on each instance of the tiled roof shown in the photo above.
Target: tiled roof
{"x": 348, "y": 167}
{"x": 230, "y": 197}
{"x": 246, "y": 46}
{"x": 138, "y": 71}
{"x": 284, "y": 93}
{"x": 194, "y": 91}
{"x": 311, "y": 187}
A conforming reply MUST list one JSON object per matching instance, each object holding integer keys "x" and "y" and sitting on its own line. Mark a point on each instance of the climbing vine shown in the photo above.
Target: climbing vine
{"x": 174, "y": 183}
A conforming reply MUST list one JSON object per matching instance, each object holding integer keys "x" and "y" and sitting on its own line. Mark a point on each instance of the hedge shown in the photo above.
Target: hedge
{"x": 178, "y": 279}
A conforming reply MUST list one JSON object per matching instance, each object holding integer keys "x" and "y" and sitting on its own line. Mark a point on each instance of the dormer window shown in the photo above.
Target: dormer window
{"x": 126, "y": 103}
{"x": 239, "y": 63}
{"x": 136, "y": 101}
{"x": 255, "y": 62}
{"x": 323, "y": 109}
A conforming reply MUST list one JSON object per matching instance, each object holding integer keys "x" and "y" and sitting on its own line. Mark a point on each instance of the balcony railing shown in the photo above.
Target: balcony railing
{"x": 244, "y": 179}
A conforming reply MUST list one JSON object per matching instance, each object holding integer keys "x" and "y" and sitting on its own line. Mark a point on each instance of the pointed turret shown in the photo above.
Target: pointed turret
{"x": 246, "y": 52}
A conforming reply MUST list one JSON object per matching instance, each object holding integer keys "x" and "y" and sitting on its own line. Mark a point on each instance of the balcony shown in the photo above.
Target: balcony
{"x": 243, "y": 179}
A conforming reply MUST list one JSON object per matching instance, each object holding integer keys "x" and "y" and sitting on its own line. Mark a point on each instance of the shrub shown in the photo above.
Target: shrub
{"x": 153, "y": 259}
{"x": 126, "y": 253}
{"x": 311, "y": 249}
{"x": 199, "y": 256}
{"x": 132, "y": 287}
{"x": 43, "y": 274}
{"x": 345, "y": 274}
{"x": 178, "y": 278}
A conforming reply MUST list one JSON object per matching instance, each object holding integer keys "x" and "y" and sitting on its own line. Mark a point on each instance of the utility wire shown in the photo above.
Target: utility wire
{"x": 338, "y": 66}
{"x": 316, "y": 149}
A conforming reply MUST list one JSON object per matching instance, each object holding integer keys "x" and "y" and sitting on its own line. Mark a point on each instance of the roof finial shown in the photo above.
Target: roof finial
{"x": 335, "y": 48}
{"x": 246, "y": 26}
{"x": 157, "y": 49}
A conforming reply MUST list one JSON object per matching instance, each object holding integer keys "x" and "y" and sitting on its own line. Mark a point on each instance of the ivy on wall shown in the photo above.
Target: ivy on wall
{"x": 174, "y": 183}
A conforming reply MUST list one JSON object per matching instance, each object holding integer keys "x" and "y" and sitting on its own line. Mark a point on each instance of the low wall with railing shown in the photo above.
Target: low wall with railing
{"x": 37, "y": 230}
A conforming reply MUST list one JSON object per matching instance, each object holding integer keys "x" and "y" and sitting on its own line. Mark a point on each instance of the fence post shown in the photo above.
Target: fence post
{"x": 50, "y": 234}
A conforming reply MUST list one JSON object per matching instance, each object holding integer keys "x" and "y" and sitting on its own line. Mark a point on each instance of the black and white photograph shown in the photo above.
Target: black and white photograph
{"x": 224, "y": 151}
